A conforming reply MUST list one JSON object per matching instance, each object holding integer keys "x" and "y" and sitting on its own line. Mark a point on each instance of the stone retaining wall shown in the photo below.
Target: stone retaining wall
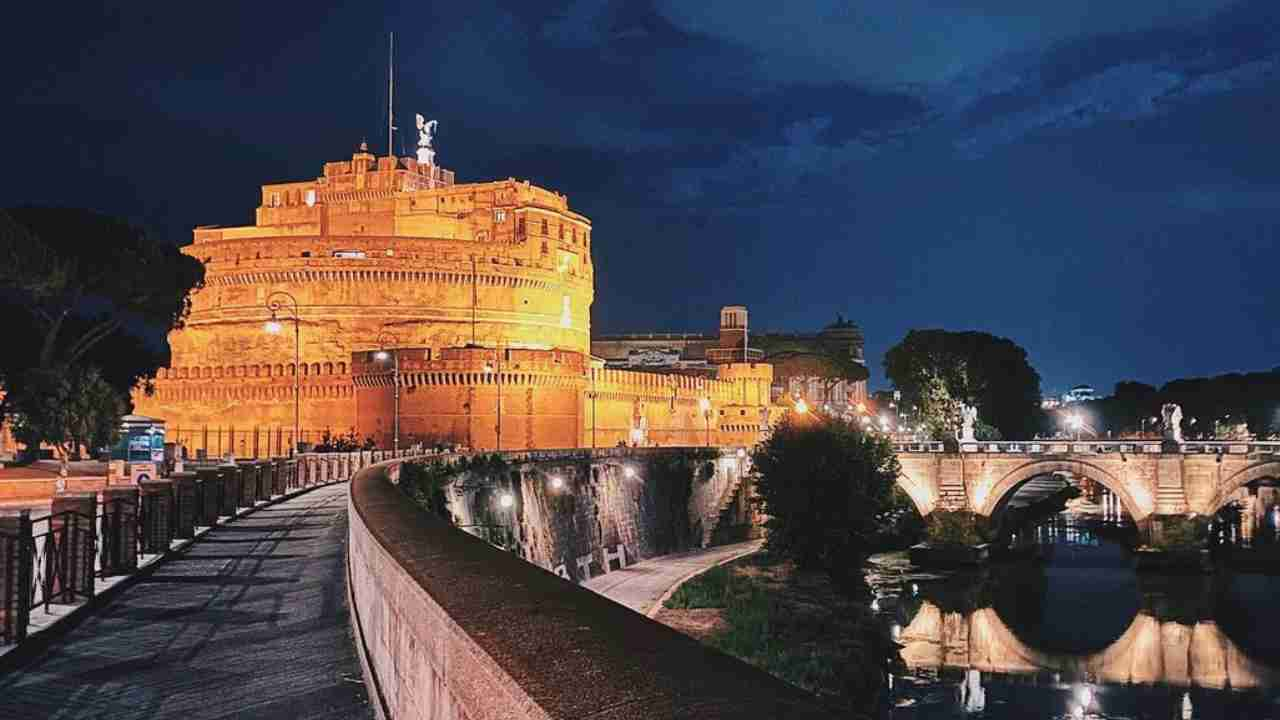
{"x": 450, "y": 626}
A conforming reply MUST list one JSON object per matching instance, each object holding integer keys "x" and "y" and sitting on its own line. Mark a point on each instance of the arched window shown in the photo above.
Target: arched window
{"x": 315, "y": 368}
{"x": 280, "y": 370}
{"x": 328, "y": 368}
{"x": 342, "y": 368}
{"x": 292, "y": 370}
{"x": 544, "y": 227}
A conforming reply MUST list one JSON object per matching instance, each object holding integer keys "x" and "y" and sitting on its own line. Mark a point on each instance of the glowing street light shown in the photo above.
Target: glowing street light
{"x": 557, "y": 482}
{"x": 802, "y": 407}
{"x": 628, "y": 472}
{"x": 382, "y": 355}
{"x": 276, "y": 304}
{"x": 1075, "y": 422}
{"x": 506, "y": 500}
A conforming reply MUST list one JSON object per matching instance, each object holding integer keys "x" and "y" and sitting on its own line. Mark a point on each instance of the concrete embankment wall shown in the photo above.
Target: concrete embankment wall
{"x": 450, "y": 626}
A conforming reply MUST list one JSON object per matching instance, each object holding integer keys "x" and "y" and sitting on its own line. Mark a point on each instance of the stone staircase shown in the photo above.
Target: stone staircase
{"x": 951, "y": 493}
{"x": 712, "y": 520}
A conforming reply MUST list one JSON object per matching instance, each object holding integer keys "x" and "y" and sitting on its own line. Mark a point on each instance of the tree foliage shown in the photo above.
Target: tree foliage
{"x": 1221, "y": 402}
{"x": 65, "y": 262}
{"x": 938, "y": 371}
{"x": 69, "y": 409}
{"x": 83, "y": 286}
{"x": 825, "y": 486}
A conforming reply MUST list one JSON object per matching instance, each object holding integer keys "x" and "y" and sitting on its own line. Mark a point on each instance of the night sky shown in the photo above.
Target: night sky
{"x": 1098, "y": 180}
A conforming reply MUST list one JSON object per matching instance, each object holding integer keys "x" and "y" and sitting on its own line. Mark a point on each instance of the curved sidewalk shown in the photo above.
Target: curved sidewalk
{"x": 645, "y": 585}
{"x": 250, "y": 622}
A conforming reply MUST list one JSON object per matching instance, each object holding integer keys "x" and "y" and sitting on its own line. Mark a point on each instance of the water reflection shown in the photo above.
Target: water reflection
{"x": 1072, "y": 637}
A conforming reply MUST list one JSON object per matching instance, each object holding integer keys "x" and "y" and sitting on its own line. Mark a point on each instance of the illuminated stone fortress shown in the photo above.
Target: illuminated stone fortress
{"x": 480, "y": 292}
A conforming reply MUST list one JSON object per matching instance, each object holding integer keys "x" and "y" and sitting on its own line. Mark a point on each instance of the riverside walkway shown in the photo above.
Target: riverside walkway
{"x": 644, "y": 586}
{"x": 250, "y": 622}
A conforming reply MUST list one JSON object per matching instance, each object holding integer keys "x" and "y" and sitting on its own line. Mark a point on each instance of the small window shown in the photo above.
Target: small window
{"x": 499, "y": 215}
{"x": 354, "y": 254}
{"x": 275, "y": 199}
{"x": 311, "y": 198}
{"x": 544, "y": 228}
{"x": 561, "y": 231}
{"x": 545, "y": 249}
{"x": 306, "y": 253}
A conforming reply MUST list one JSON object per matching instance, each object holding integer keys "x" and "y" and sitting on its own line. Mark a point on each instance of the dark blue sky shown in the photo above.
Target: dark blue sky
{"x": 1097, "y": 180}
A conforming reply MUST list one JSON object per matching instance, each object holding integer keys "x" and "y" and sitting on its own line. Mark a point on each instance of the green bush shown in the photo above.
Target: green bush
{"x": 1182, "y": 533}
{"x": 951, "y": 528}
{"x": 825, "y": 486}
{"x": 425, "y": 483}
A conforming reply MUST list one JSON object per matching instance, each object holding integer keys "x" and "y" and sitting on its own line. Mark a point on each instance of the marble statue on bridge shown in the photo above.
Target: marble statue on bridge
{"x": 1171, "y": 413}
{"x": 968, "y": 417}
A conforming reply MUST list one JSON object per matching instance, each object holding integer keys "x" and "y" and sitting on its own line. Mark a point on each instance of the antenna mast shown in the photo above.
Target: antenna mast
{"x": 391, "y": 92}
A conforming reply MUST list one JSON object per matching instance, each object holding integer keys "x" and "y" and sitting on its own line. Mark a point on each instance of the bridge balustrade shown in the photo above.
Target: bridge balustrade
{"x": 1063, "y": 447}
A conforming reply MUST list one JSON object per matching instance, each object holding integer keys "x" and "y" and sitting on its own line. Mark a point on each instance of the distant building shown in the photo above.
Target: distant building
{"x": 1079, "y": 393}
{"x": 802, "y": 367}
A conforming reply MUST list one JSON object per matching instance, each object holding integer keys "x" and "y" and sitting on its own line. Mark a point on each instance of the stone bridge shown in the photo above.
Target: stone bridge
{"x": 1151, "y": 478}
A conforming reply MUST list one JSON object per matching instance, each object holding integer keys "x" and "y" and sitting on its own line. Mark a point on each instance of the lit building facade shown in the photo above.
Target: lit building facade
{"x": 801, "y": 361}
{"x": 473, "y": 286}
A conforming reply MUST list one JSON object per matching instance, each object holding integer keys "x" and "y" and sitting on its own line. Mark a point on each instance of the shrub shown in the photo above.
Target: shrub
{"x": 1182, "y": 533}
{"x": 825, "y": 486}
{"x": 950, "y": 528}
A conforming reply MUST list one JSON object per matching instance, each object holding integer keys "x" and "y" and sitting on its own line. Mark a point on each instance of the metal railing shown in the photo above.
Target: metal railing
{"x": 59, "y": 558}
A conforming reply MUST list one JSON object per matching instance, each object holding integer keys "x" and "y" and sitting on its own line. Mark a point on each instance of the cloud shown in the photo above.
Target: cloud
{"x": 916, "y": 42}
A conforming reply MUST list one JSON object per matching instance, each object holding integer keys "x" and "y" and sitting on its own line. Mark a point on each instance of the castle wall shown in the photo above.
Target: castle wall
{"x": 377, "y": 252}
{"x": 551, "y": 400}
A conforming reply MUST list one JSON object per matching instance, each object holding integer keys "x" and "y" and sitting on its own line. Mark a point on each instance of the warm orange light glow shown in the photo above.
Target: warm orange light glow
{"x": 802, "y": 407}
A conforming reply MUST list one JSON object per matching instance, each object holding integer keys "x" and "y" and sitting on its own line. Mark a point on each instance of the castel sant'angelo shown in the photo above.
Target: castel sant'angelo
{"x": 477, "y": 296}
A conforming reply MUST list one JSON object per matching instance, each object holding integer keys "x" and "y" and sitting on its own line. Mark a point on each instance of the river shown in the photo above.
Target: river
{"x": 1080, "y": 634}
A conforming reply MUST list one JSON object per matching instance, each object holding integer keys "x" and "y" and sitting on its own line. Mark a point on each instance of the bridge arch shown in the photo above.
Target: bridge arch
{"x": 1140, "y": 504}
{"x": 922, "y": 493}
{"x": 1257, "y": 471}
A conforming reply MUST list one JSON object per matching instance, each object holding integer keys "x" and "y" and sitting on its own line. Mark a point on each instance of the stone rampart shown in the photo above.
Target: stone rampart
{"x": 450, "y": 626}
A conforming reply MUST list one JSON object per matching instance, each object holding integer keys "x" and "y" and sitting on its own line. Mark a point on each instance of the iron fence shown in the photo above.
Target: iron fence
{"x": 58, "y": 558}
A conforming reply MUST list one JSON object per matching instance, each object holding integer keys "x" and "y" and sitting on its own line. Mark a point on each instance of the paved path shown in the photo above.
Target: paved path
{"x": 251, "y": 622}
{"x": 644, "y": 585}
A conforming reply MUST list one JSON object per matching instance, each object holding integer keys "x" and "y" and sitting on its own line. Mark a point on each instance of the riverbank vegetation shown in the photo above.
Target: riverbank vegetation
{"x": 793, "y": 623}
{"x": 801, "y": 609}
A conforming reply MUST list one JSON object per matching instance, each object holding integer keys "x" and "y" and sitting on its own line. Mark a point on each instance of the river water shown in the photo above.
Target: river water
{"x": 1080, "y": 634}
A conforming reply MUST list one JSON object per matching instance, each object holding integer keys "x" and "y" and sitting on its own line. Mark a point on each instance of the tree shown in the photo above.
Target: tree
{"x": 81, "y": 281}
{"x": 938, "y": 371}
{"x": 69, "y": 409}
{"x": 825, "y": 486}
{"x": 63, "y": 261}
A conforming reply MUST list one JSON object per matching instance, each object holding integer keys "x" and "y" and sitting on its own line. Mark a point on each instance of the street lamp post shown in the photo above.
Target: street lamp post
{"x": 395, "y": 379}
{"x": 275, "y": 303}
{"x": 496, "y": 367}
{"x": 704, "y": 404}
